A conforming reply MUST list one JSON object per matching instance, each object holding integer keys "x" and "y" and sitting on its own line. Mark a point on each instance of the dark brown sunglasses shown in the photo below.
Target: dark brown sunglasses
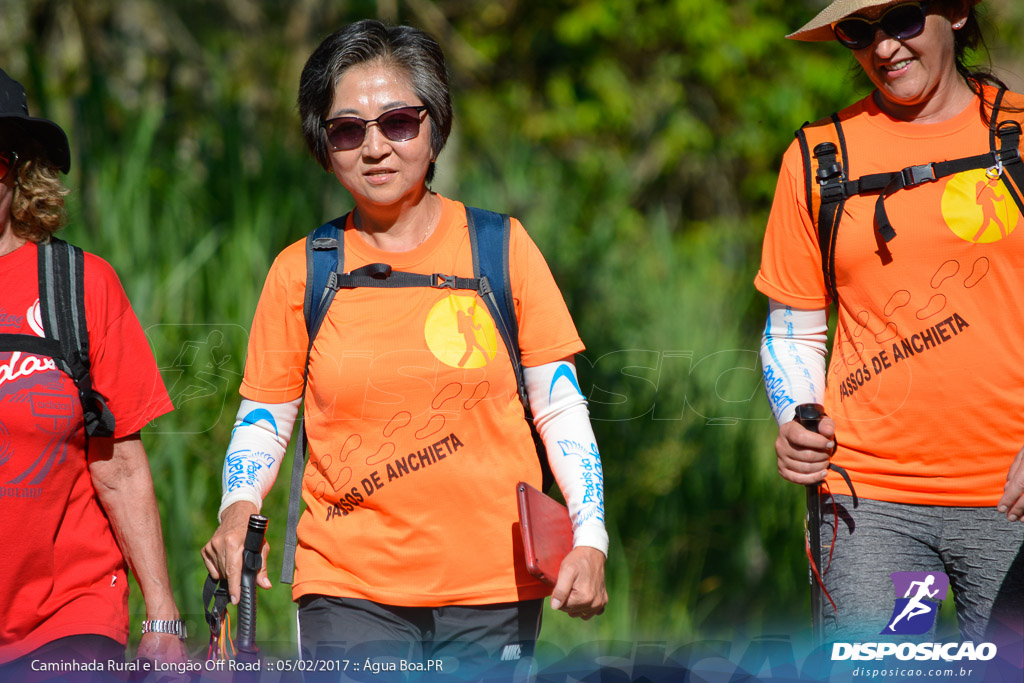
{"x": 398, "y": 125}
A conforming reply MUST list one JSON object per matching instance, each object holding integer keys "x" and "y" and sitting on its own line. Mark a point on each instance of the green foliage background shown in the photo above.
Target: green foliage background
{"x": 637, "y": 140}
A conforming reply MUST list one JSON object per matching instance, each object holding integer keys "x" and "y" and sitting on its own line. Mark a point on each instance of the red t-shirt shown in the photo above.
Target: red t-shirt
{"x": 62, "y": 572}
{"x": 926, "y": 371}
{"x": 416, "y": 432}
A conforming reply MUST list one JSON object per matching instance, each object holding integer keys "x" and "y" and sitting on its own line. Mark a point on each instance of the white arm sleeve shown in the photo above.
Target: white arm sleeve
{"x": 563, "y": 422}
{"x": 793, "y": 351}
{"x": 258, "y": 443}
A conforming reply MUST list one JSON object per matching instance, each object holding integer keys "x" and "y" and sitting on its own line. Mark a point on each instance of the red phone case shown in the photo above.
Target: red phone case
{"x": 547, "y": 532}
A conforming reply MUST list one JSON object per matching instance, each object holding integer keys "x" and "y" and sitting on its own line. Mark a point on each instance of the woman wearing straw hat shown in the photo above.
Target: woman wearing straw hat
{"x": 76, "y": 511}
{"x": 902, "y": 211}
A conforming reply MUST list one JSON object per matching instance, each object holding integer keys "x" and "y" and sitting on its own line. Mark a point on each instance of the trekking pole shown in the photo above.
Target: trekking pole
{"x": 252, "y": 562}
{"x": 808, "y": 415}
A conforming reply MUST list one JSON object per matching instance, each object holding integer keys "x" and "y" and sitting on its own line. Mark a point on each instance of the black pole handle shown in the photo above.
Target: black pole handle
{"x": 252, "y": 562}
{"x": 808, "y": 415}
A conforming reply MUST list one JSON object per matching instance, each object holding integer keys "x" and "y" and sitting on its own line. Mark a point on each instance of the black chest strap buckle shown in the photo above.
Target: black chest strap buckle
{"x": 916, "y": 175}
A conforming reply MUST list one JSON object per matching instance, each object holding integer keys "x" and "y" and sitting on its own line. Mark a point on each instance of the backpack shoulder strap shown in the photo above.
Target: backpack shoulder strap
{"x": 62, "y": 309}
{"x": 325, "y": 260}
{"x": 1007, "y": 115}
{"x": 1009, "y": 105}
{"x": 824, "y": 185}
{"x": 490, "y": 240}
{"x": 811, "y": 197}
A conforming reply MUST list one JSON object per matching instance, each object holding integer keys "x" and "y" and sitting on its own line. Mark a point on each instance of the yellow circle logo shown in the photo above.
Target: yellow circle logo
{"x": 460, "y": 332}
{"x": 978, "y": 208}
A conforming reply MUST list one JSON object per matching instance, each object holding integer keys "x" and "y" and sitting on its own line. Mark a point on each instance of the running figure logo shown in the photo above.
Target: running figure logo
{"x": 461, "y": 334}
{"x": 922, "y": 593}
{"x": 989, "y": 201}
{"x": 977, "y": 207}
{"x": 468, "y": 329}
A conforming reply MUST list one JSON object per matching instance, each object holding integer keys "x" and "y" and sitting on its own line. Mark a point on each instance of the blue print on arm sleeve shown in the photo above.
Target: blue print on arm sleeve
{"x": 564, "y": 370}
{"x": 592, "y": 478}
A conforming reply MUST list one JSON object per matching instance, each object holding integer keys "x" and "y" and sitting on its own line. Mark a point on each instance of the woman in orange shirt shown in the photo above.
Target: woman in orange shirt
{"x": 923, "y": 389}
{"x": 416, "y": 431}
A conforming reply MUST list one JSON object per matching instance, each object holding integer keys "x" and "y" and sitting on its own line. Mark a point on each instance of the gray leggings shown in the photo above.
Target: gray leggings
{"x": 977, "y": 548}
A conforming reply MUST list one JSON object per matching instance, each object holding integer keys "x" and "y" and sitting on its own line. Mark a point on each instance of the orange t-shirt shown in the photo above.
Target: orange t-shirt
{"x": 416, "y": 432}
{"x": 927, "y": 367}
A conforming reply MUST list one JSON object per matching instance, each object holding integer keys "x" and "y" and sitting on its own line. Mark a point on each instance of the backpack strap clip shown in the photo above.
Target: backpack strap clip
{"x": 485, "y": 287}
{"x": 830, "y": 175}
{"x": 442, "y": 281}
{"x": 1008, "y": 156}
{"x": 1009, "y": 142}
{"x": 833, "y": 192}
{"x": 829, "y": 169}
{"x": 917, "y": 175}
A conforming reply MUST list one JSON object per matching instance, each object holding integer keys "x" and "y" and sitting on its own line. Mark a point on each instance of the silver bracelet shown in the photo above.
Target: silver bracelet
{"x": 174, "y": 627}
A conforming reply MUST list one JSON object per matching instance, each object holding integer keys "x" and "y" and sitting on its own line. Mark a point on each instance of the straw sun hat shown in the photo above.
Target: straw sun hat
{"x": 820, "y": 27}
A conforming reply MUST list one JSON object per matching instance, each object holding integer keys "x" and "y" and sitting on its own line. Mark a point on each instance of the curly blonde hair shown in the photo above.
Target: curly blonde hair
{"x": 37, "y": 210}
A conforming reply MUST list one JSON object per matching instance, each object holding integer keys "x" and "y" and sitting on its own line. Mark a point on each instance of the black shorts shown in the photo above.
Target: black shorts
{"x": 368, "y": 641}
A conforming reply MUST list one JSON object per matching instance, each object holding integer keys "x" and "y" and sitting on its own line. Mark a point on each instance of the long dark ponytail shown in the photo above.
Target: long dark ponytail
{"x": 969, "y": 40}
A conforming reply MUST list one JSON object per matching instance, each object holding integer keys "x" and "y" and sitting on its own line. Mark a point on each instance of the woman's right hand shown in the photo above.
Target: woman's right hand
{"x": 803, "y": 455}
{"x": 223, "y": 553}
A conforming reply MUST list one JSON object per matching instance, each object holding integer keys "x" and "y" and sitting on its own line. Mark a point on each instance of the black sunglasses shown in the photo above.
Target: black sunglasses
{"x": 901, "y": 22}
{"x": 8, "y": 160}
{"x": 398, "y": 125}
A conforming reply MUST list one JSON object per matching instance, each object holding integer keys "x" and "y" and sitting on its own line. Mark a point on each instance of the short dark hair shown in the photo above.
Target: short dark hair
{"x": 401, "y": 47}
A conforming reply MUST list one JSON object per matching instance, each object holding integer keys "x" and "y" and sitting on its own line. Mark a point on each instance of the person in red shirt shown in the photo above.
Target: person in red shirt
{"x": 416, "y": 431}
{"x": 923, "y": 391}
{"x": 77, "y": 512}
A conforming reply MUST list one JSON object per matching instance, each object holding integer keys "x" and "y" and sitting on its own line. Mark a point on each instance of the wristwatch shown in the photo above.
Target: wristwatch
{"x": 175, "y": 627}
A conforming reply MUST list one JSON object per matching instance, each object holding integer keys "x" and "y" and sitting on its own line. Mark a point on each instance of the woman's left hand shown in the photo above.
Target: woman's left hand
{"x": 1012, "y": 502}
{"x": 580, "y": 590}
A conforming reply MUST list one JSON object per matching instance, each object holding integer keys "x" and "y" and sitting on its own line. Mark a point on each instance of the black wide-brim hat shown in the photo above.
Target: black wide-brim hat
{"x": 14, "y": 115}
